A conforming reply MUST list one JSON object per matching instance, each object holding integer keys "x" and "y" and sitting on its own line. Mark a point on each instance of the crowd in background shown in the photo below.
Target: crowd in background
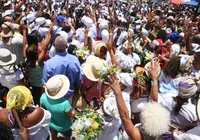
{"x": 54, "y": 56}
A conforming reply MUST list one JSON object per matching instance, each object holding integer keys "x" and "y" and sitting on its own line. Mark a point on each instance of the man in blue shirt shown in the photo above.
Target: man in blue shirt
{"x": 66, "y": 64}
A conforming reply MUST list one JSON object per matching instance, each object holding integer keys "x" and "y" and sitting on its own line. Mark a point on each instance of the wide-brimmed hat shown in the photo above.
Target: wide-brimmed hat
{"x": 6, "y": 57}
{"x": 7, "y": 30}
{"x": 19, "y": 97}
{"x": 93, "y": 67}
{"x": 57, "y": 86}
{"x": 147, "y": 67}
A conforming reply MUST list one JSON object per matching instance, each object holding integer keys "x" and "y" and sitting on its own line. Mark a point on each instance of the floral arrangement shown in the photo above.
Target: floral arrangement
{"x": 148, "y": 55}
{"x": 88, "y": 125}
{"x": 140, "y": 77}
{"x": 106, "y": 71}
{"x": 82, "y": 52}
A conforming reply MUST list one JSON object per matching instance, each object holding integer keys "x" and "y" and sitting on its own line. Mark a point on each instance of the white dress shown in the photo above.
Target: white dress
{"x": 187, "y": 114}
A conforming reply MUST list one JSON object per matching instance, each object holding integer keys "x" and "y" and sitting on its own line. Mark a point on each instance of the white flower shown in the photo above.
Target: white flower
{"x": 149, "y": 55}
{"x": 87, "y": 123}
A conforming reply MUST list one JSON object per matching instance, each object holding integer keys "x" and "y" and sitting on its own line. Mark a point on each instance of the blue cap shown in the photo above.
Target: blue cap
{"x": 60, "y": 19}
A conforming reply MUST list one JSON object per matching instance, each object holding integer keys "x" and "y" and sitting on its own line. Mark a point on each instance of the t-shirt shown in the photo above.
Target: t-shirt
{"x": 93, "y": 92}
{"x": 11, "y": 80}
{"x": 187, "y": 114}
{"x": 58, "y": 109}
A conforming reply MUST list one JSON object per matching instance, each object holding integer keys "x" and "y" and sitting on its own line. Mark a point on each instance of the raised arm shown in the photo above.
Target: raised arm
{"x": 45, "y": 45}
{"x": 25, "y": 42}
{"x": 131, "y": 130}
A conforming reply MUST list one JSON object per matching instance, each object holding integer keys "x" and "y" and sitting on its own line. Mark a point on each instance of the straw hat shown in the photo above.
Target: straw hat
{"x": 19, "y": 97}
{"x": 7, "y": 29}
{"x": 93, "y": 67}
{"x": 147, "y": 67}
{"x": 57, "y": 86}
{"x": 6, "y": 57}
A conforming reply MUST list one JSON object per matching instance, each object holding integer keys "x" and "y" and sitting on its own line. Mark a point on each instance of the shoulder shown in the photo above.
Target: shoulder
{"x": 33, "y": 118}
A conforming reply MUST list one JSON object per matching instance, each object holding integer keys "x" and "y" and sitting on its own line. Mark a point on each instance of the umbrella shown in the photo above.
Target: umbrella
{"x": 193, "y": 3}
{"x": 177, "y": 1}
{"x": 181, "y": 1}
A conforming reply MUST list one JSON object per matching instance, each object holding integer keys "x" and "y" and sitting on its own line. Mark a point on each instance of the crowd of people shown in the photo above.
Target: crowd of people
{"x": 135, "y": 63}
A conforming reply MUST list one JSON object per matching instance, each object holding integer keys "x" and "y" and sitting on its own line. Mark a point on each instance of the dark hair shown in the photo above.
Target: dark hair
{"x": 5, "y": 132}
{"x": 32, "y": 52}
{"x": 196, "y": 39}
{"x": 33, "y": 37}
{"x": 71, "y": 49}
{"x": 179, "y": 103}
{"x": 172, "y": 67}
{"x": 67, "y": 29}
{"x": 162, "y": 34}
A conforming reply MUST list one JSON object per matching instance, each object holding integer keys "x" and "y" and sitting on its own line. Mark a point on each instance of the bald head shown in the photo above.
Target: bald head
{"x": 60, "y": 44}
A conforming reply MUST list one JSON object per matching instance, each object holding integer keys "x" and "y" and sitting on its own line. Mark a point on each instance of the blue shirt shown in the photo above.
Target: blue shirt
{"x": 66, "y": 64}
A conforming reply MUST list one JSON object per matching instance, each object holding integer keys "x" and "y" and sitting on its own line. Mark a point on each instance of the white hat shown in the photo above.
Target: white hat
{"x": 105, "y": 35}
{"x": 103, "y": 24}
{"x": 39, "y": 21}
{"x": 6, "y": 13}
{"x": 126, "y": 79}
{"x": 47, "y": 23}
{"x": 87, "y": 21}
{"x": 30, "y": 17}
{"x": 63, "y": 34}
{"x": 57, "y": 86}
{"x": 7, "y": 31}
{"x": 6, "y": 57}
{"x": 7, "y": 3}
{"x": 110, "y": 107}
{"x": 93, "y": 66}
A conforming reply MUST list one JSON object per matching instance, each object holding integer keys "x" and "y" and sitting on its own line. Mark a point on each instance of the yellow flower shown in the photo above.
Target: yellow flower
{"x": 77, "y": 131}
{"x": 81, "y": 54}
{"x": 95, "y": 125}
{"x": 94, "y": 116}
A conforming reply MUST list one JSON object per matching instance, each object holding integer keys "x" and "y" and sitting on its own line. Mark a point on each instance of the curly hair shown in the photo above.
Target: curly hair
{"x": 5, "y": 132}
{"x": 172, "y": 67}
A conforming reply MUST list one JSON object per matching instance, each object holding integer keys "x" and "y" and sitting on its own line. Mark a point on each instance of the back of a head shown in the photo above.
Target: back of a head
{"x": 172, "y": 67}
{"x": 5, "y": 132}
{"x": 60, "y": 44}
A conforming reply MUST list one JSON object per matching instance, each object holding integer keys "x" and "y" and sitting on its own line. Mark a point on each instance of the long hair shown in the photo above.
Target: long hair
{"x": 172, "y": 67}
{"x": 178, "y": 106}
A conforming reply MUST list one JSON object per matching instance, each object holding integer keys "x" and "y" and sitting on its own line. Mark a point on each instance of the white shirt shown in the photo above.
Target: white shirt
{"x": 187, "y": 114}
{"x": 192, "y": 134}
{"x": 11, "y": 80}
{"x": 175, "y": 49}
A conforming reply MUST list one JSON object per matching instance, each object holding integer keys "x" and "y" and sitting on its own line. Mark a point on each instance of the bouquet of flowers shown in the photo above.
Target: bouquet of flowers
{"x": 148, "y": 55}
{"x": 106, "y": 71}
{"x": 82, "y": 53}
{"x": 88, "y": 125}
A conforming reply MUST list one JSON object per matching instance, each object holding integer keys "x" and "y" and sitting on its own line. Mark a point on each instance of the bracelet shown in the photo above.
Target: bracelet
{"x": 154, "y": 83}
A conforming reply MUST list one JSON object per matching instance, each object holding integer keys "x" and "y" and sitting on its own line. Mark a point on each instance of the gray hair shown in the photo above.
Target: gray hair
{"x": 60, "y": 44}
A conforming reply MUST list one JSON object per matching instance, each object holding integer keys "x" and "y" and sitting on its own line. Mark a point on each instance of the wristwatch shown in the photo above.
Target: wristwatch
{"x": 154, "y": 83}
